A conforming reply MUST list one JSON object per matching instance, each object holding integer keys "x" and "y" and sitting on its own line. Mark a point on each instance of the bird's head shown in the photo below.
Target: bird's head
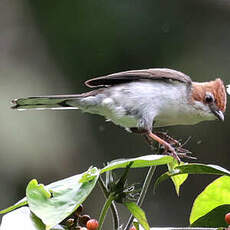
{"x": 210, "y": 98}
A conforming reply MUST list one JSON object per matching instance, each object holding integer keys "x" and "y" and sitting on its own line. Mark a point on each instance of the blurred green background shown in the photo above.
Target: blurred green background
{"x": 52, "y": 47}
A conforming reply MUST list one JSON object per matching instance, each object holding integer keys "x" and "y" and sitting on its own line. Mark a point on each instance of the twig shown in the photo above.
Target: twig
{"x": 186, "y": 142}
{"x": 146, "y": 185}
{"x": 105, "y": 208}
{"x": 143, "y": 193}
{"x": 113, "y": 206}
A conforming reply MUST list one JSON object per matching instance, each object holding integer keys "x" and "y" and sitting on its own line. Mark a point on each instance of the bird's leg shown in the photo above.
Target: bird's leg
{"x": 168, "y": 148}
{"x": 144, "y": 133}
{"x": 172, "y": 145}
{"x": 181, "y": 152}
{"x": 168, "y": 139}
{"x": 150, "y": 137}
{"x": 175, "y": 147}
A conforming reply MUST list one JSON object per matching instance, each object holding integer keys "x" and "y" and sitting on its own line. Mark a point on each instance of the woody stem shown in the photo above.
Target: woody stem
{"x": 143, "y": 193}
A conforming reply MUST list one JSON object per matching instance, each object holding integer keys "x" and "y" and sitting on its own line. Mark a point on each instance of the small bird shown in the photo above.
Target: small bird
{"x": 139, "y": 100}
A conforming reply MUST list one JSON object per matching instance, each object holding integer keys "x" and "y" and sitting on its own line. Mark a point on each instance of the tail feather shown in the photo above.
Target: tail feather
{"x": 45, "y": 102}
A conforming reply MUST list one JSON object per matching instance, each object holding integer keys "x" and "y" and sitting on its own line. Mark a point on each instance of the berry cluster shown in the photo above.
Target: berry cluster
{"x": 77, "y": 221}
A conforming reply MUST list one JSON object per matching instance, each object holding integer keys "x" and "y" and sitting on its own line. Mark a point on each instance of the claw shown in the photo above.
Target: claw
{"x": 172, "y": 152}
{"x": 178, "y": 147}
{"x": 184, "y": 155}
{"x": 171, "y": 146}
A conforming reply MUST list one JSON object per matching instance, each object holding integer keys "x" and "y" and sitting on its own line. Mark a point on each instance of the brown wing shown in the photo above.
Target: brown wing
{"x": 137, "y": 75}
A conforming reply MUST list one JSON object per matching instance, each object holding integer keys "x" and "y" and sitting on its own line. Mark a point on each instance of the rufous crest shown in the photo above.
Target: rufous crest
{"x": 217, "y": 88}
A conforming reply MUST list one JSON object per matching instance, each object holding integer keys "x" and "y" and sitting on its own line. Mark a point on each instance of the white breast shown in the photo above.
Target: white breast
{"x": 140, "y": 103}
{"x": 146, "y": 101}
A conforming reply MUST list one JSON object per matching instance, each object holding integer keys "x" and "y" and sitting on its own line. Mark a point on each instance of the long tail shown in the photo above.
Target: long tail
{"x": 46, "y": 102}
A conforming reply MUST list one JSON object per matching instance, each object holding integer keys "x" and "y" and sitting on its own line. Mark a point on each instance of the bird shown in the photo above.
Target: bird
{"x": 141, "y": 100}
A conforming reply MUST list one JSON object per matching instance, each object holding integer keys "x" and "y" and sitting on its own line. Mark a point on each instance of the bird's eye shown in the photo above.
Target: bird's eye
{"x": 209, "y": 99}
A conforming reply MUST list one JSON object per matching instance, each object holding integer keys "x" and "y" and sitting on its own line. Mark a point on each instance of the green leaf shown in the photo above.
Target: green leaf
{"x": 62, "y": 199}
{"x": 19, "y": 204}
{"x": 138, "y": 213}
{"x": 23, "y": 219}
{"x": 177, "y": 180}
{"x": 144, "y": 161}
{"x": 138, "y": 162}
{"x": 215, "y": 194}
{"x": 56, "y": 185}
{"x": 192, "y": 169}
{"x": 214, "y": 218}
{"x": 89, "y": 175}
{"x": 136, "y": 224}
{"x": 86, "y": 177}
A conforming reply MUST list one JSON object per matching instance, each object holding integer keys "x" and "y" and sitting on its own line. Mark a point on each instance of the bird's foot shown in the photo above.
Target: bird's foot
{"x": 178, "y": 146}
{"x": 171, "y": 151}
{"x": 185, "y": 155}
{"x": 171, "y": 146}
{"x": 168, "y": 148}
{"x": 180, "y": 152}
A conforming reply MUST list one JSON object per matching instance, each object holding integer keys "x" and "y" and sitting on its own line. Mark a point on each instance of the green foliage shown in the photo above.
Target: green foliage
{"x": 192, "y": 169}
{"x": 138, "y": 213}
{"x": 138, "y": 162}
{"x": 177, "y": 180}
{"x": 89, "y": 175}
{"x": 19, "y": 204}
{"x": 50, "y": 205}
{"x": 23, "y": 218}
{"x": 212, "y": 201}
{"x": 136, "y": 224}
{"x": 214, "y": 218}
{"x": 53, "y": 207}
{"x": 54, "y": 202}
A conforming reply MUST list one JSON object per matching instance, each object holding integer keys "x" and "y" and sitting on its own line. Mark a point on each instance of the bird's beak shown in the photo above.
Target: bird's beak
{"x": 218, "y": 113}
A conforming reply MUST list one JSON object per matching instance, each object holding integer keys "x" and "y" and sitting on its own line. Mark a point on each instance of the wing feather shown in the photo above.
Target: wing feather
{"x": 137, "y": 75}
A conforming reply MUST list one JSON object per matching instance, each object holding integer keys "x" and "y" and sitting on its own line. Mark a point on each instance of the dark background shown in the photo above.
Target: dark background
{"x": 52, "y": 47}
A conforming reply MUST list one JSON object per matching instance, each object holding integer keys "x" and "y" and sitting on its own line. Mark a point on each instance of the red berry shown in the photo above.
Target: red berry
{"x": 92, "y": 224}
{"x": 132, "y": 228}
{"x": 227, "y": 218}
